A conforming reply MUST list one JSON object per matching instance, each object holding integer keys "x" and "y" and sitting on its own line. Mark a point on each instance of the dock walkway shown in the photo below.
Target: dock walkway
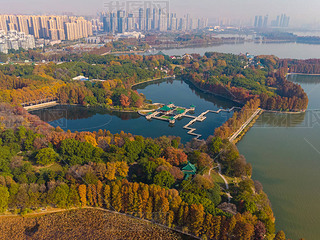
{"x": 171, "y": 118}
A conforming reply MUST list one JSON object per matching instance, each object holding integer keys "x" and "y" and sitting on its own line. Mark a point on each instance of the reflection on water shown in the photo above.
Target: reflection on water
{"x": 74, "y": 112}
{"x": 78, "y": 118}
{"x": 304, "y": 78}
{"x": 282, "y": 120}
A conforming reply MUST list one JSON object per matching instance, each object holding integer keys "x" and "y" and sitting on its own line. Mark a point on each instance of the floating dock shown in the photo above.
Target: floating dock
{"x": 171, "y": 112}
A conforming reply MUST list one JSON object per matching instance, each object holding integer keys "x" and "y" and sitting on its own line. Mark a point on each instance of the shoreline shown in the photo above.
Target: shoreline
{"x": 212, "y": 93}
{"x": 152, "y": 80}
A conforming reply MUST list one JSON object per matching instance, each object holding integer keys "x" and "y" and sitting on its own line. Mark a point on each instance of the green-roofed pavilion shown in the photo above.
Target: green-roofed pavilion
{"x": 165, "y": 108}
{"x": 189, "y": 169}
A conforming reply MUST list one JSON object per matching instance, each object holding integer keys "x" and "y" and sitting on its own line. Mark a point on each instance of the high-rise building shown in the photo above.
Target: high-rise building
{"x": 120, "y": 20}
{"x": 48, "y": 27}
{"x": 265, "y": 21}
{"x": 141, "y": 20}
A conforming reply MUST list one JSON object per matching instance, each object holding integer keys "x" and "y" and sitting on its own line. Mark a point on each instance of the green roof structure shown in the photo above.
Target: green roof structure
{"x": 165, "y": 108}
{"x": 180, "y": 111}
{"x": 189, "y": 169}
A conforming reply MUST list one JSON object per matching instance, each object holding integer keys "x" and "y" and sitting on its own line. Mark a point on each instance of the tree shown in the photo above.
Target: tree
{"x": 196, "y": 218}
{"x": 111, "y": 171}
{"x": 4, "y": 198}
{"x": 46, "y": 156}
{"x": 106, "y": 195}
{"x": 124, "y": 100}
{"x": 174, "y": 156}
{"x": 99, "y": 193}
{"x": 280, "y": 236}
{"x": 60, "y": 196}
{"x": 73, "y": 197}
{"x": 259, "y": 231}
{"x": 164, "y": 179}
{"x": 83, "y": 194}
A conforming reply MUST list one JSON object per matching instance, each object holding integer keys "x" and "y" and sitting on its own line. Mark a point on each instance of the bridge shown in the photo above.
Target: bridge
{"x": 201, "y": 118}
{"x": 41, "y": 103}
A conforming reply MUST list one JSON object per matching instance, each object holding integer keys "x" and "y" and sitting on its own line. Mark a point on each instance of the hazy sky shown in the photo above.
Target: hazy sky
{"x": 299, "y": 10}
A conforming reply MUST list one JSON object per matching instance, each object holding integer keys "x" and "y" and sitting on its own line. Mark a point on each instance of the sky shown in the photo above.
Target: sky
{"x": 300, "y": 11}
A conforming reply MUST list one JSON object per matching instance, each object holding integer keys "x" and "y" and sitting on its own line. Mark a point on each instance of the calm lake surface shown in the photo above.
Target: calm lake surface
{"x": 281, "y": 50}
{"x": 285, "y": 153}
{"x": 180, "y": 93}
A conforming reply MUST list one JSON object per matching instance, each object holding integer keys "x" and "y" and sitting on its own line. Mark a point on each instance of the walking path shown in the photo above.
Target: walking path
{"x": 41, "y": 105}
{"x": 201, "y": 118}
{"x": 243, "y": 126}
{"x": 225, "y": 182}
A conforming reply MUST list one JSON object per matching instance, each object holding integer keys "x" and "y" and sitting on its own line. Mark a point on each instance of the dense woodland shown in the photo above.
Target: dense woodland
{"x": 26, "y": 83}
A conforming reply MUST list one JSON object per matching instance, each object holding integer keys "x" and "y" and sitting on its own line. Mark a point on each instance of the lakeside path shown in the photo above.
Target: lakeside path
{"x": 152, "y": 80}
{"x": 123, "y": 52}
{"x": 303, "y": 74}
{"x": 243, "y": 126}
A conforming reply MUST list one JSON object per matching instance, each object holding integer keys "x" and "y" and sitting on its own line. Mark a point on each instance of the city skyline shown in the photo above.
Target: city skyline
{"x": 301, "y": 12}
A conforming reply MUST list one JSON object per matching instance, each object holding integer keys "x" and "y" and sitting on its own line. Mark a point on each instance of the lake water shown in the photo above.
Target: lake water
{"x": 281, "y": 50}
{"x": 285, "y": 153}
{"x": 179, "y": 92}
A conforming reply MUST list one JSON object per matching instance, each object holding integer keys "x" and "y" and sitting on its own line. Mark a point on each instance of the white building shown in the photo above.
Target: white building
{"x": 15, "y": 40}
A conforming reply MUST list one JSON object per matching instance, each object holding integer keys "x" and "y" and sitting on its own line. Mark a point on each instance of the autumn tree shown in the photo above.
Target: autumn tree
{"x": 83, "y": 194}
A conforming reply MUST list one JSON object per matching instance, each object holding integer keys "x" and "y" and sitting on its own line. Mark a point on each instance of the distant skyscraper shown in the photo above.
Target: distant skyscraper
{"x": 120, "y": 20}
{"x": 141, "y": 20}
{"x": 148, "y": 19}
{"x": 256, "y": 19}
{"x": 260, "y": 22}
{"x": 265, "y": 21}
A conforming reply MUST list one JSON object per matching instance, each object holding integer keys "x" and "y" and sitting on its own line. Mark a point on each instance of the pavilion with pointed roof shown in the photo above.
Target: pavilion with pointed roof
{"x": 189, "y": 169}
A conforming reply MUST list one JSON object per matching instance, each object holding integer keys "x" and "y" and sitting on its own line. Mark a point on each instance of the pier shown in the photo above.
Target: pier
{"x": 171, "y": 112}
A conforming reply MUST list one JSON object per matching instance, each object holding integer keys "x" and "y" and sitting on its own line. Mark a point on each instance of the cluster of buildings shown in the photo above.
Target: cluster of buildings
{"x": 15, "y": 40}
{"x": 149, "y": 19}
{"x": 281, "y": 21}
{"x": 48, "y": 27}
